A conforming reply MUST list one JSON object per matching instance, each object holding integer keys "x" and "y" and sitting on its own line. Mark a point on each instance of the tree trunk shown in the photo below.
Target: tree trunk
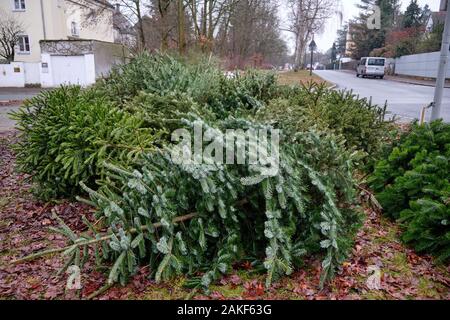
{"x": 204, "y": 17}
{"x": 181, "y": 28}
{"x": 142, "y": 45}
{"x": 163, "y": 6}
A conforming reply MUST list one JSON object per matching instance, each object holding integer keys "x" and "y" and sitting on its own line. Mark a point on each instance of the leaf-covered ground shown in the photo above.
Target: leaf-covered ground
{"x": 24, "y": 230}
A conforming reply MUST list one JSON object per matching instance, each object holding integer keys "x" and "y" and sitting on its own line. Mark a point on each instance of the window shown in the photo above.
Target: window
{"x": 23, "y": 44}
{"x": 19, "y": 4}
{"x": 74, "y": 29}
{"x": 376, "y": 62}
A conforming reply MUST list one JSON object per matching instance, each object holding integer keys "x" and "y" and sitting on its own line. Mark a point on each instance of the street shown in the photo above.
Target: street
{"x": 404, "y": 100}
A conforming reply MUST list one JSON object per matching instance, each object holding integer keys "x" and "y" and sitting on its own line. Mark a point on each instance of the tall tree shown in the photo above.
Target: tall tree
{"x": 168, "y": 26}
{"x": 165, "y": 10}
{"x": 134, "y": 11}
{"x": 426, "y": 13}
{"x": 333, "y": 52}
{"x": 341, "y": 41}
{"x": 365, "y": 39}
{"x": 207, "y": 16}
{"x": 412, "y": 18}
{"x": 250, "y": 34}
{"x": 181, "y": 22}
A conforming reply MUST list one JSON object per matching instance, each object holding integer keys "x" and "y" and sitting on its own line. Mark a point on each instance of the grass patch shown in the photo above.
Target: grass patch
{"x": 174, "y": 291}
{"x": 374, "y": 295}
{"x": 390, "y": 236}
{"x": 296, "y": 78}
{"x": 400, "y": 265}
{"x": 429, "y": 288}
{"x": 229, "y": 291}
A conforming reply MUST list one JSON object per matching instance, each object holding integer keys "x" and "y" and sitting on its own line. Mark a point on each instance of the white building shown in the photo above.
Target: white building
{"x": 435, "y": 19}
{"x": 64, "y": 41}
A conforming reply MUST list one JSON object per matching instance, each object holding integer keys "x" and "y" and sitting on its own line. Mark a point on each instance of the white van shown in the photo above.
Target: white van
{"x": 371, "y": 67}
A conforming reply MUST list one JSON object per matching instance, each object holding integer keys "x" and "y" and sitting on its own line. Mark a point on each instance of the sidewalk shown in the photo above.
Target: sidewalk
{"x": 408, "y": 80}
{"x": 419, "y": 82}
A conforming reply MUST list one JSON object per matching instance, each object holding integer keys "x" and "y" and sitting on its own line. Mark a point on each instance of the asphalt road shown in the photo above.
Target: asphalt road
{"x": 404, "y": 100}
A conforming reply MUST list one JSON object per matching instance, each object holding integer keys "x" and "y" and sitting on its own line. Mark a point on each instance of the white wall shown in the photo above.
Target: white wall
{"x": 46, "y": 73}
{"x": 12, "y": 75}
{"x": 86, "y": 76}
{"x": 419, "y": 65}
{"x": 89, "y": 64}
{"x": 107, "y": 55}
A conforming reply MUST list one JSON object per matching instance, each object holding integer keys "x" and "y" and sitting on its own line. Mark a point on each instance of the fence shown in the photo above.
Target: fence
{"x": 419, "y": 65}
{"x": 351, "y": 65}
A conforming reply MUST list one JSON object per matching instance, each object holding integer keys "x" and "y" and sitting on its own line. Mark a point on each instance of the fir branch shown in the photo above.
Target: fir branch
{"x": 93, "y": 241}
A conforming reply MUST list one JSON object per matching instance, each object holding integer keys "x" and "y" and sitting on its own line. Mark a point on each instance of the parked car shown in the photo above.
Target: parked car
{"x": 371, "y": 67}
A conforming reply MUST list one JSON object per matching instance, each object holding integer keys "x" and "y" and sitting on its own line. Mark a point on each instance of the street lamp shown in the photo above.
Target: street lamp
{"x": 312, "y": 47}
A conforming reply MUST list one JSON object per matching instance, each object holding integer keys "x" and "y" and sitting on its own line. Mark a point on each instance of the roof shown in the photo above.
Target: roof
{"x": 122, "y": 24}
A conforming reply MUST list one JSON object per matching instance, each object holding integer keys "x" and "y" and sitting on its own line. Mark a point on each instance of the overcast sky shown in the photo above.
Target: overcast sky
{"x": 325, "y": 40}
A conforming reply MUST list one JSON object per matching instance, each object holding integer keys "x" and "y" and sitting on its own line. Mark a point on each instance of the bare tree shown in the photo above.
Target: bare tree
{"x": 250, "y": 35}
{"x": 161, "y": 25}
{"x": 166, "y": 25}
{"x": 176, "y": 22}
{"x": 10, "y": 31}
{"x": 306, "y": 18}
{"x": 134, "y": 11}
{"x": 206, "y": 17}
{"x": 236, "y": 28}
{"x": 165, "y": 11}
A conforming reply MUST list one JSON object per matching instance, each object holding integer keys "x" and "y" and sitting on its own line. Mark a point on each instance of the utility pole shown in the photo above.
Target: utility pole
{"x": 443, "y": 64}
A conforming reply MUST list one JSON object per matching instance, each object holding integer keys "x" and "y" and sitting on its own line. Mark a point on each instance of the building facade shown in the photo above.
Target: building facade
{"x": 68, "y": 21}
{"x": 58, "y": 20}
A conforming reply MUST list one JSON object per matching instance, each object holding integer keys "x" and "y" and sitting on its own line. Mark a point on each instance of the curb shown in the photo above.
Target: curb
{"x": 447, "y": 86}
{"x": 8, "y": 103}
